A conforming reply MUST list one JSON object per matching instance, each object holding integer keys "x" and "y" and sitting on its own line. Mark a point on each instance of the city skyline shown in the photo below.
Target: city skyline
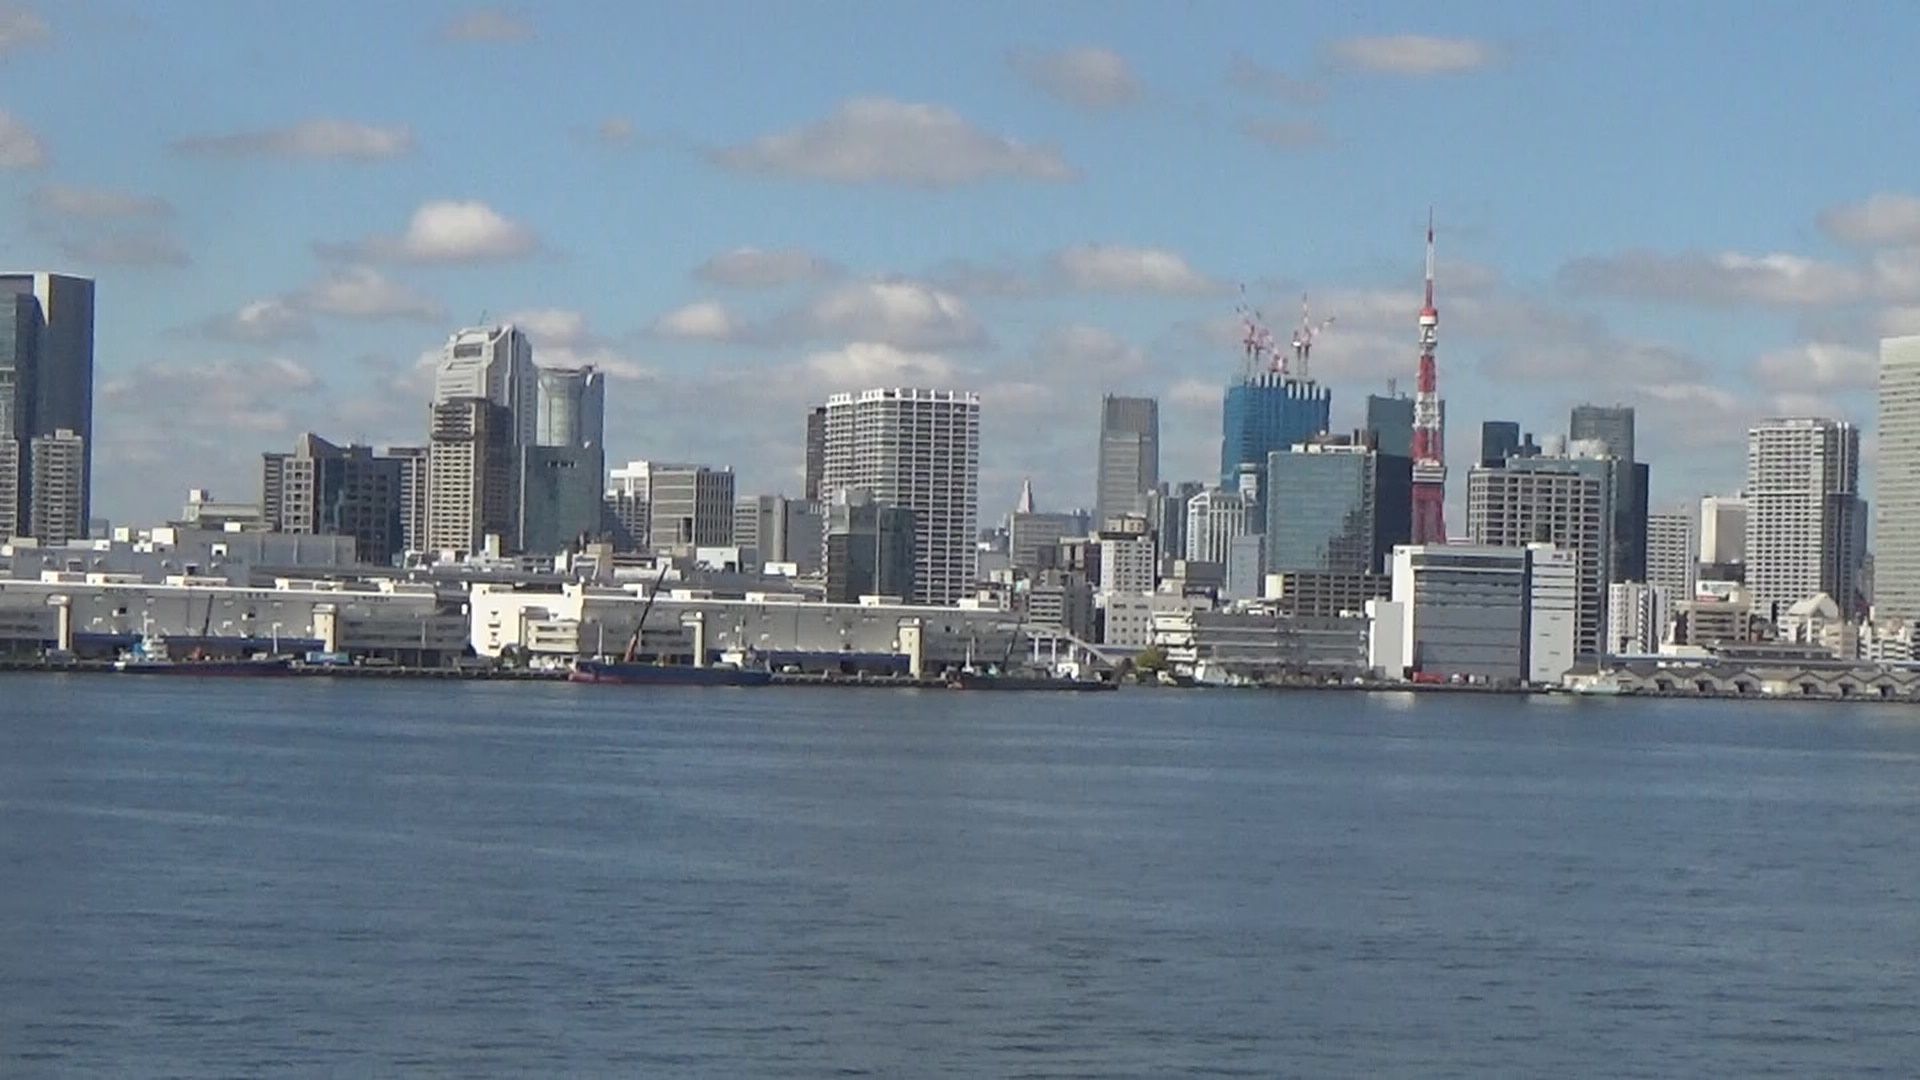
{"x": 288, "y": 254}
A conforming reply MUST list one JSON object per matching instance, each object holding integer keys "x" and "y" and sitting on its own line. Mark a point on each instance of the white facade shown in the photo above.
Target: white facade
{"x": 1463, "y": 609}
{"x": 496, "y": 363}
{"x": 1214, "y": 518}
{"x": 1553, "y": 612}
{"x": 1805, "y": 528}
{"x": 1127, "y": 564}
{"x": 1636, "y": 618}
{"x": 1723, "y": 529}
{"x": 917, "y": 449}
{"x": 1896, "y": 540}
{"x": 1130, "y": 617}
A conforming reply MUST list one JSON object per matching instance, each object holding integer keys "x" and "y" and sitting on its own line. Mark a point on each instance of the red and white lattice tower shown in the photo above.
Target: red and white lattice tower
{"x": 1429, "y": 456}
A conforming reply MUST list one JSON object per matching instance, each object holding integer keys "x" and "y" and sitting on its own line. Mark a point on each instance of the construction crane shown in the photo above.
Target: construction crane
{"x": 1258, "y": 354}
{"x": 1303, "y": 339}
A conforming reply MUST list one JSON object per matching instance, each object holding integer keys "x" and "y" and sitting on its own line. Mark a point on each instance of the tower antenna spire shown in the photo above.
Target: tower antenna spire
{"x": 1429, "y": 455}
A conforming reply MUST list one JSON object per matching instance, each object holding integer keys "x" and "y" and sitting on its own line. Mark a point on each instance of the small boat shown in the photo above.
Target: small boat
{"x": 257, "y": 666}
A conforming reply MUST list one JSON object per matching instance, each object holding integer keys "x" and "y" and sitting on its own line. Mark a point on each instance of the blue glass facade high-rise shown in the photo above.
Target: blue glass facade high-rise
{"x": 1265, "y": 413}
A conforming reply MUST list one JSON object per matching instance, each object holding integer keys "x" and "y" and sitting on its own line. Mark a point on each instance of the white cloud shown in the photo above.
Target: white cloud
{"x": 1286, "y": 134}
{"x": 871, "y": 363}
{"x": 1817, "y": 366}
{"x": 1100, "y": 357}
{"x": 1196, "y": 395}
{"x": 1884, "y": 219}
{"x": 361, "y": 292}
{"x": 447, "y": 231}
{"x": 1088, "y": 76}
{"x": 1898, "y": 321}
{"x": 79, "y": 202}
{"x": 753, "y": 268}
{"x": 1724, "y": 278}
{"x": 487, "y": 25}
{"x": 557, "y": 326}
{"x": 902, "y": 313}
{"x": 615, "y": 131}
{"x": 20, "y": 145}
{"x": 1118, "y": 268}
{"x": 877, "y": 140}
{"x": 133, "y": 249}
{"x": 261, "y": 321}
{"x": 20, "y": 27}
{"x": 318, "y": 139}
{"x": 703, "y": 321}
{"x": 1414, "y": 54}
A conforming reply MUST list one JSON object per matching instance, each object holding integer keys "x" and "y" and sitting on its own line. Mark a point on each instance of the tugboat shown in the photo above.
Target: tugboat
{"x": 153, "y": 657}
{"x": 630, "y": 670}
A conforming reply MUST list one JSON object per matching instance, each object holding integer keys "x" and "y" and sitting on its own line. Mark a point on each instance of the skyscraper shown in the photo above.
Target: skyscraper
{"x": 869, "y": 548}
{"x": 1673, "y": 553}
{"x": 1390, "y": 420}
{"x": 1129, "y": 465}
{"x": 1264, "y": 412}
{"x": 1804, "y": 514}
{"x": 494, "y": 363}
{"x": 1499, "y": 440}
{"x": 46, "y": 381}
{"x": 917, "y": 449}
{"x": 571, "y": 407}
{"x": 470, "y": 474}
{"x": 327, "y": 490}
{"x": 1896, "y": 540}
{"x": 1560, "y": 500}
{"x": 413, "y": 462}
{"x": 1321, "y": 509}
{"x": 1612, "y": 426}
{"x": 1215, "y": 518}
{"x": 58, "y": 468}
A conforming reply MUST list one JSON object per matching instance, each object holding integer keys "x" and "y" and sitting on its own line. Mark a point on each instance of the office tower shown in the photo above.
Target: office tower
{"x": 1129, "y": 560}
{"x": 1215, "y": 517}
{"x": 1321, "y": 509}
{"x": 1390, "y": 421}
{"x": 1499, "y": 440}
{"x": 920, "y": 450}
{"x": 1804, "y": 514}
{"x": 570, "y": 408}
{"x": 690, "y": 506}
{"x": 58, "y": 479}
{"x": 1167, "y": 513}
{"x": 1033, "y": 539}
{"x": 558, "y": 499}
{"x": 46, "y": 377}
{"x": 871, "y": 548}
{"x": 1264, "y": 412}
{"x": 782, "y": 530}
{"x": 1896, "y": 538}
{"x": 321, "y": 489}
{"x": 413, "y": 461}
{"x": 1505, "y": 614}
{"x": 470, "y": 466}
{"x": 1129, "y": 464}
{"x": 1673, "y": 553}
{"x": 1612, "y": 426}
{"x": 816, "y": 451}
{"x": 1559, "y": 500}
{"x": 494, "y": 363}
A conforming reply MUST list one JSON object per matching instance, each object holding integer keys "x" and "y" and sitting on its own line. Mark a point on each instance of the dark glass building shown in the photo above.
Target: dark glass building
{"x": 1268, "y": 412}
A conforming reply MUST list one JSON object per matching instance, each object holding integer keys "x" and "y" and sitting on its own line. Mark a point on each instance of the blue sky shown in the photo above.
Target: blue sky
{"x": 1709, "y": 211}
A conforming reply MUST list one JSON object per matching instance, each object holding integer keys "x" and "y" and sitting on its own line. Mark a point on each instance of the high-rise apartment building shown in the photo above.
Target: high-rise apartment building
{"x": 1265, "y": 412}
{"x": 1673, "y": 553}
{"x": 1805, "y": 520}
{"x": 570, "y": 408}
{"x": 470, "y": 475}
{"x": 413, "y": 494}
{"x": 1896, "y": 538}
{"x": 918, "y": 449}
{"x": 13, "y": 515}
{"x": 321, "y": 489}
{"x": 46, "y": 384}
{"x": 1558, "y": 500}
{"x": 1129, "y": 463}
{"x": 58, "y": 475}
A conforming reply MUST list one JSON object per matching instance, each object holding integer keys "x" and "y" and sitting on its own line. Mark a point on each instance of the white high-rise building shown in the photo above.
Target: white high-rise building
{"x": 1896, "y": 539}
{"x": 1805, "y": 522}
{"x": 1215, "y": 517}
{"x": 495, "y": 363}
{"x": 1636, "y": 618}
{"x": 59, "y": 475}
{"x": 920, "y": 450}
